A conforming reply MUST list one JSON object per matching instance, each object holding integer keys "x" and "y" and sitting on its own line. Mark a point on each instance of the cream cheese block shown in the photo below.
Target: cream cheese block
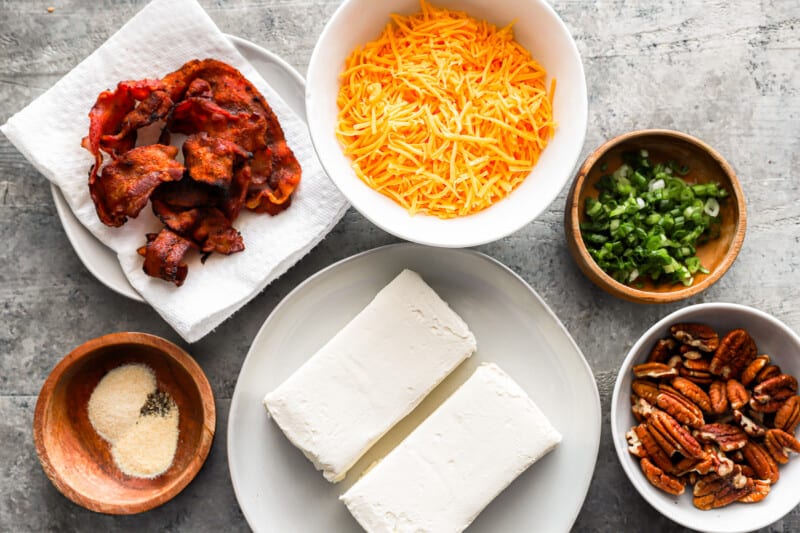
{"x": 370, "y": 375}
{"x": 456, "y": 461}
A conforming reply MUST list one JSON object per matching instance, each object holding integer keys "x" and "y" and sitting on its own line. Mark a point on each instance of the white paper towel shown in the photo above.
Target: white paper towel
{"x": 158, "y": 40}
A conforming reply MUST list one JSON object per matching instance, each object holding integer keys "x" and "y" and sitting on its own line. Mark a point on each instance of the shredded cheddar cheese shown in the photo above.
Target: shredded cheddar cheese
{"x": 443, "y": 113}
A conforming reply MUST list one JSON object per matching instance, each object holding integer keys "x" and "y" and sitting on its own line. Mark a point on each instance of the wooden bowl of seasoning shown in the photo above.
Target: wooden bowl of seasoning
{"x": 655, "y": 216}
{"x": 124, "y": 422}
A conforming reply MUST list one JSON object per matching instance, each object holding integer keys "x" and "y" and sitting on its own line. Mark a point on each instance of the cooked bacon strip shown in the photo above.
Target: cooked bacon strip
{"x": 126, "y": 184}
{"x": 156, "y": 106}
{"x": 275, "y": 194}
{"x": 108, "y": 113}
{"x": 211, "y": 160}
{"x": 234, "y": 200}
{"x": 206, "y": 227}
{"x": 163, "y": 256}
{"x": 196, "y": 114}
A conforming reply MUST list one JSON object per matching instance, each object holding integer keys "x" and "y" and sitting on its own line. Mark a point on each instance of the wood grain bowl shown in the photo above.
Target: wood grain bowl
{"x": 78, "y": 461}
{"x": 706, "y": 165}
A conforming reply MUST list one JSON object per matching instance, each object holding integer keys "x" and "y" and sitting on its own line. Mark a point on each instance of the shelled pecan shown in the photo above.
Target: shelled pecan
{"x": 714, "y": 491}
{"x": 788, "y": 416}
{"x": 735, "y": 352}
{"x": 713, "y": 414}
{"x": 698, "y": 336}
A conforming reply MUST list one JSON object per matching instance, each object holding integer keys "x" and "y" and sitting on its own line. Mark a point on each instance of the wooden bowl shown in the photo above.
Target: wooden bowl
{"x": 706, "y": 165}
{"x": 78, "y": 461}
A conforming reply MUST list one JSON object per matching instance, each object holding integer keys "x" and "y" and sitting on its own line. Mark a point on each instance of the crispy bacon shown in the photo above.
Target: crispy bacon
{"x": 193, "y": 115}
{"x": 163, "y": 256}
{"x": 211, "y": 160}
{"x": 126, "y": 183}
{"x": 108, "y": 113}
{"x": 206, "y": 227}
{"x": 234, "y": 201}
{"x": 274, "y": 195}
{"x": 154, "y": 107}
{"x": 276, "y": 172}
{"x": 236, "y": 156}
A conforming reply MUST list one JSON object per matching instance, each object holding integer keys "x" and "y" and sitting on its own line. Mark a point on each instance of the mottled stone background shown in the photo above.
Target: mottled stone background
{"x": 725, "y": 71}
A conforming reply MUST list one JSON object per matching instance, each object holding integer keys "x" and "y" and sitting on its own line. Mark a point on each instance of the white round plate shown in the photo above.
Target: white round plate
{"x": 279, "y": 490}
{"x": 772, "y": 337}
{"x": 98, "y": 258}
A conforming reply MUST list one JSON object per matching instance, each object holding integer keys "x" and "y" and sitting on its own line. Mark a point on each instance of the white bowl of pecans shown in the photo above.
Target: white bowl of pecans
{"x": 704, "y": 417}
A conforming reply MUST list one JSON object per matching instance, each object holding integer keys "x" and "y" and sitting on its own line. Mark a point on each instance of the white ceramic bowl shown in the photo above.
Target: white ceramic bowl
{"x": 772, "y": 337}
{"x": 537, "y": 28}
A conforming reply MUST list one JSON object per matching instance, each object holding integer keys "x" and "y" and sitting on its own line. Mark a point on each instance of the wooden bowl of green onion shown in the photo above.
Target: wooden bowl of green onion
{"x": 655, "y": 216}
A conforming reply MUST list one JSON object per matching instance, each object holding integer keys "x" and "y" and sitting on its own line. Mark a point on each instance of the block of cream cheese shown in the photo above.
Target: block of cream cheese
{"x": 456, "y": 461}
{"x": 370, "y": 375}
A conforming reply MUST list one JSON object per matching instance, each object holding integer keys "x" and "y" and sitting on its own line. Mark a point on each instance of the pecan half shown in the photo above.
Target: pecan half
{"x": 713, "y": 491}
{"x": 661, "y": 479}
{"x": 759, "y": 488}
{"x": 788, "y": 416}
{"x": 665, "y": 428}
{"x": 688, "y": 465}
{"x": 737, "y": 394}
{"x": 661, "y": 351}
{"x": 645, "y": 389}
{"x": 654, "y": 370}
{"x": 750, "y": 426}
{"x": 696, "y": 371}
{"x": 748, "y": 471}
{"x": 761, "y": 461}
{"x": 779, "y": 444}
{"x": 728, "y": 437}
{"x": 697, "y": 335}
{"x": 680, "y": 407}
{"x": 692, "y": 391}
{"x": 780, "y": 387}
{"x": 752, "y": 370}
{"x": 652, "y": 449}
{"x": 718, "y": 394}
{"x": 769, "y": 371}
{"x": 736, "y": 350}
{"x": 635, "y": 446}
{"x": 769, "y": 407}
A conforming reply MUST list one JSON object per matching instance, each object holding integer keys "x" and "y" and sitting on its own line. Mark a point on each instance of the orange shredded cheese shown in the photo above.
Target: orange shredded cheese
{"x": 443, "y": 113}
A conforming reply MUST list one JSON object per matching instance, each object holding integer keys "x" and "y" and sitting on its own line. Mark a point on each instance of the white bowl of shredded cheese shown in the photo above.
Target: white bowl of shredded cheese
{"x": 455, "y": 173}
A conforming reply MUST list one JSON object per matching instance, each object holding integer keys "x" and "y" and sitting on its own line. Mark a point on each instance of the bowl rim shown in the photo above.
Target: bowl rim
{"x": 588, "y": 265}
{"x": 623, "y": 456}
{"x": 44, "y": 401}
{"x": 457, "y": 238}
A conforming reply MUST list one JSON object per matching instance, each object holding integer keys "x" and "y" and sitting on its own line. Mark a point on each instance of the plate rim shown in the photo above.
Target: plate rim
{"x": 596, "y": 428}
{"x": 64, "y": 211}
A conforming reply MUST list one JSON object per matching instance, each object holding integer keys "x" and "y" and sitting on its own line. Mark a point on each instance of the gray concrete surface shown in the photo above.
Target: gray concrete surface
{"x": 723, "y": 70}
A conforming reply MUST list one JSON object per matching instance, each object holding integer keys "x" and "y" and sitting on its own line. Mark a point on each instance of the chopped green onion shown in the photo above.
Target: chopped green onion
{"x": 647, "y": 221}
{"x": 711, "y": 207}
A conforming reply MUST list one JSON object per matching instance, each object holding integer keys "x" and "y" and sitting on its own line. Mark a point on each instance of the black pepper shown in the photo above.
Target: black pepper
{"x": 158, "y": 403}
